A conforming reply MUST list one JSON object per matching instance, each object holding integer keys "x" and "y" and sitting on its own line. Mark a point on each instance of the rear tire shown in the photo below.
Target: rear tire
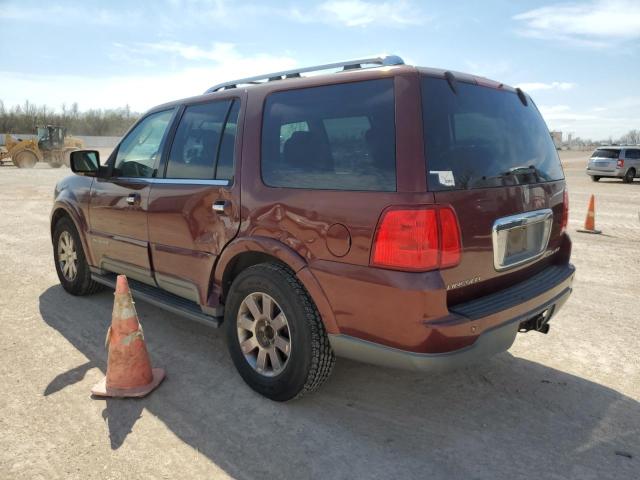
{"x": 55, "y": 164}
{"x": 25, "y": 159}
{"x": 71, "y": 263}
{"x": 306, "y": 359}
{"x": 595, "y": 178}
{"x": 629, "y": 176}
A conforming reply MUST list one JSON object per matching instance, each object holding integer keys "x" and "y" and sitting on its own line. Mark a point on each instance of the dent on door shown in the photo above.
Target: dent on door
{"x": 189, "y": 225}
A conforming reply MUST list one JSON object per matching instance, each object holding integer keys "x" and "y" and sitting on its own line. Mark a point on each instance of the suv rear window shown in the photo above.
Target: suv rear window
{"x": 336, "y": 137}
{"x": 606, "y": 153}
{"x": 484, "y": 137}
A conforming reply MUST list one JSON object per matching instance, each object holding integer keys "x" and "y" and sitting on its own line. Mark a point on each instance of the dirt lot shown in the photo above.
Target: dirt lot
{"x": 564, "y": 405}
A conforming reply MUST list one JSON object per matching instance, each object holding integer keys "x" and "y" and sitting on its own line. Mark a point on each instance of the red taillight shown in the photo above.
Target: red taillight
{"x": 449, "y": 238}
{"x": 417, "y": 239}
{"x": 565, "y": 210}
{"x": 620, "y": 163}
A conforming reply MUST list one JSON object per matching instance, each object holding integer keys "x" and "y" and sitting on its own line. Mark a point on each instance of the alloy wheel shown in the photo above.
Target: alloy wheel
{"x": 67, "y": 256}
{"x": 263, "y": 333}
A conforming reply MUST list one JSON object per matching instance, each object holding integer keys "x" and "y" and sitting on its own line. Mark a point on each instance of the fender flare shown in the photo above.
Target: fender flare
{"x": 289, "y": 257}
{"x": 79, "y": 220}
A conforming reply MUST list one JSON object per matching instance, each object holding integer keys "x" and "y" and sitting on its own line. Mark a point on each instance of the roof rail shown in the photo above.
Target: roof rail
{"x": 295, "y": 73}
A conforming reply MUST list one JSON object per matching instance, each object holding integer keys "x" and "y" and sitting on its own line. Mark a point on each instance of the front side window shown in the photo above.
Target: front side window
{"x": 139, "y": 150}
{"x": 478, "y": 137}
{"x": 337, "y": 137}
{"x": 199, "y": 141}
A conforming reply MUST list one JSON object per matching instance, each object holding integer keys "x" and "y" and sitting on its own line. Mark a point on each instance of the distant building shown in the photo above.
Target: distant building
{"x": 557, "y": 138}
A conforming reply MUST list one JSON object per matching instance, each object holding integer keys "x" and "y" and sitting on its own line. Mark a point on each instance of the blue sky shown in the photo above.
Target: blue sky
{"x": 578, "y": 60}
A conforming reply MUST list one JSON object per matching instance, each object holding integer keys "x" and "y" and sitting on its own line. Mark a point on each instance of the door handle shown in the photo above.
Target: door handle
{"x": 133, "y": 198}
{"x": 222, "y": 207}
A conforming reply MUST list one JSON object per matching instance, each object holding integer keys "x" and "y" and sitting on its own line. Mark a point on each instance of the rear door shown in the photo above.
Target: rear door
{"x": 118, "y": 203}
{"x": 194, "y": 209}
{"x": 632, "y": 159}
{"x": 490, "y": 156}
{"x": 604, "y": 160}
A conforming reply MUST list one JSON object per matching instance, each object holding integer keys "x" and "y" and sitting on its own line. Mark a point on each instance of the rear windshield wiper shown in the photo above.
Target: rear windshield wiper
{"x": 520, "y": 172}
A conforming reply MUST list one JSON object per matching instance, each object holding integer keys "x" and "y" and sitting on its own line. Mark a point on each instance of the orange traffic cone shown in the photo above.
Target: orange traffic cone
{"x": 590, "y": 221}
{"x": 129, "y": 372}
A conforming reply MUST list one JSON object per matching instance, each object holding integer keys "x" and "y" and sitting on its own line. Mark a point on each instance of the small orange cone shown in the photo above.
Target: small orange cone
{"x": 590, "y": 221}
{"x": 129, "y": 372}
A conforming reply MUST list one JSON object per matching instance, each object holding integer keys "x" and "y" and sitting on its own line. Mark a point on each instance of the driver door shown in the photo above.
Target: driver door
{"x": 118, "y": 203}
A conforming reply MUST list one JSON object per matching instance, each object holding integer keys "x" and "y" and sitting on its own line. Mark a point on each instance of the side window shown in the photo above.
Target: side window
{"x": 139, "y": 150}
{"x": 337, "y": 137}
{"x": 197, "y": 140}
{"x": 224, "y": 167}
{"x": 633, "y": 154}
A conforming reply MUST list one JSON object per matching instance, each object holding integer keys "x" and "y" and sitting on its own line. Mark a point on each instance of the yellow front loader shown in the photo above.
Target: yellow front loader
{"x": 52, "y": 146}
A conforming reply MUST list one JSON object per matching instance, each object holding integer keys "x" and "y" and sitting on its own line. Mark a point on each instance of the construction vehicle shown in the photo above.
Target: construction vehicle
{"x": 52, "y": 145}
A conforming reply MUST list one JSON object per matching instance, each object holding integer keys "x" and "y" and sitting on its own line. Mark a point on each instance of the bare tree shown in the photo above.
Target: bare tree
{"x": 23, "y": 119}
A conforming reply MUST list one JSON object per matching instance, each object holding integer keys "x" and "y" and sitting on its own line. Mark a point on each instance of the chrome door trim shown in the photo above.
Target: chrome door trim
{"x": 173, "y": 181}
{"x": 503, "y": 225}
{"x": 189, "y": 181}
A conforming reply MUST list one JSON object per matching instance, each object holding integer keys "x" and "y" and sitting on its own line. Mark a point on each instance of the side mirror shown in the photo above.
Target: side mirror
{"x": 85, "y": 162}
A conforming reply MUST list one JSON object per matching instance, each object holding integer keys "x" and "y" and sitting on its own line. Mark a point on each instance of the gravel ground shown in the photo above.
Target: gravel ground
{"x": 564, "y": 405}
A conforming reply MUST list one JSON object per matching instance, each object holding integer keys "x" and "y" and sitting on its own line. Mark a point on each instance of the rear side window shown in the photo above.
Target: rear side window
{"x": 203, "y": 144}
{"x": 484, "y": 137}
{"x": 225, "y": 165}
{"x": 632, "y": 154}
{"x": 606, "y": 153}
{"x": 337, "y": 137}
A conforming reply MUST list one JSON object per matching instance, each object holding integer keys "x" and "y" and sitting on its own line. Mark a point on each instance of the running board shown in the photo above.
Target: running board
{"x": 161, "y": 298}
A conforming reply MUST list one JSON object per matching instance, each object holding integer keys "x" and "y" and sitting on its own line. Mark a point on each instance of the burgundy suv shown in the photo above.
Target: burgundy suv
{"x": 406, "y": 217}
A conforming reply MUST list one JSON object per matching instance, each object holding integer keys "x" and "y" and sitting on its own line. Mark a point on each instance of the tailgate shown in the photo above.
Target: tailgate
{"x": 602, "y": 164}
{"x": 490, "y": 156}
{"x": 526, "y": 248}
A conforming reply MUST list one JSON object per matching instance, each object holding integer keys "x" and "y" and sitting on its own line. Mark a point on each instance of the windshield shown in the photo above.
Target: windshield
{"x": 605, "y": 153}
{"x": 484, "y": 137}
{"x": 43, "y": 133}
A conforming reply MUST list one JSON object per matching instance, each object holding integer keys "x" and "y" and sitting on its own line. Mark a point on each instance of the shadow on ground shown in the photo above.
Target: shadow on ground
{"x": 509, "y": 418}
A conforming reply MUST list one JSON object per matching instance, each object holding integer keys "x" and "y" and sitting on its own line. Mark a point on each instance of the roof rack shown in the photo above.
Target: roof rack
{"x": 270, "y": 77}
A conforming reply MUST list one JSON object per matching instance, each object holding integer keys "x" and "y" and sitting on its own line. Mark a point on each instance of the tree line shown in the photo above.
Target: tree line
{"x": 26, "y": 117}
{"x": 632, "y": 137}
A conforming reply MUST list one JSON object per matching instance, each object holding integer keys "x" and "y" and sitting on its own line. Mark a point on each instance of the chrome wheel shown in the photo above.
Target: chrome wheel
{"x": 263, "y": 333}
{"x": 67, "y": 256}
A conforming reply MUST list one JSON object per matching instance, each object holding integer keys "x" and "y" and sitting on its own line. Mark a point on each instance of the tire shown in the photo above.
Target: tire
{"x": 80, "y": 282}
{"x": 308, "y": 359}
{"x": 55, "y": 164}
{"x": 629, "y": 176}
{"x": 25, "y": 159}
{"x": 595, "y": 178}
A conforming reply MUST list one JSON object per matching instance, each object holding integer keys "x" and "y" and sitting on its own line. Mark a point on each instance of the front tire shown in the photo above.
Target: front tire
{"x": 629, "y": 176}
{"x": 275, "y": 335}
{"x": 595, "y": 178}
{"x": 71, "y": 263}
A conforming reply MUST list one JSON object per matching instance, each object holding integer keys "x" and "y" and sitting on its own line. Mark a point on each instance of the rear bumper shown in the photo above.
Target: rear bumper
{"x": 501, "y": 314}
{"x": 617, "y": 173}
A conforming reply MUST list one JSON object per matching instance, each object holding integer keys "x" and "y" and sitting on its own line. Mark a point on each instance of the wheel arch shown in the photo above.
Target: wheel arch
{"x": 245, "y": 252}
{"x": 61, "y": 211}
